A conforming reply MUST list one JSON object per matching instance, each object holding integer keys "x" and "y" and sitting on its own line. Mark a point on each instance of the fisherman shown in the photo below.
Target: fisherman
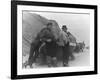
{"x": 71, "y": 37}
{"x": 69, "y": 47}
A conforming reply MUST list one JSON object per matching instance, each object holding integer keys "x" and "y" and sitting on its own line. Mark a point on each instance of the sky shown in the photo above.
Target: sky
{"x": 78, "y": 24}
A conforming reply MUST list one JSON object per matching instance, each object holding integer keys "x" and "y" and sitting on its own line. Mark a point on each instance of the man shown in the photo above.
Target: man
{"x": 44, "y": 35}
{"x": 71, "y": 37}
{"x": 69, "y": 47}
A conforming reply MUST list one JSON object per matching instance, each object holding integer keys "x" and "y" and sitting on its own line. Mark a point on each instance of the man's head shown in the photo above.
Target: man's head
{"x": 64, "y": 28}
{"x": 49, "y": 25}
{"x": 46, "y": 35}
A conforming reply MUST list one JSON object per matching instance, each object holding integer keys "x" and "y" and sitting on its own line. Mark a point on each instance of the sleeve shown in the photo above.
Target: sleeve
{"x": 63, "y": 39}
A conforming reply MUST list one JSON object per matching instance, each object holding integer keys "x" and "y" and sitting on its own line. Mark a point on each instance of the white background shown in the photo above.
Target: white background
{"x": 5, "y": 40}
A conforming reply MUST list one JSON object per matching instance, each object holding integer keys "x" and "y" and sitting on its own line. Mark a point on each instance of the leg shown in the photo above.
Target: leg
{"x": 71, "y": 50}
{"x": 72, "y": 56}
{"x": 30, "y": 60}
{"x": 65, "y": 55}
{"x": 54, "y": 60}
{"x": 65, "y": 61}
{"x": 43, "y": 54}
{"x": 34, "y": 52}
{"x": 48, "y": 58}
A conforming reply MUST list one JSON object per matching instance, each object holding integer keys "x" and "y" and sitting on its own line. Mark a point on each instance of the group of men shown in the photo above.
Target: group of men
{"x": 65, "y": 40}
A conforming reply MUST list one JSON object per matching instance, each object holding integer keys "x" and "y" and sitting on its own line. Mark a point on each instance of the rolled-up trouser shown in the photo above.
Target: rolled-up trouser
{"x": 51, "y": 61}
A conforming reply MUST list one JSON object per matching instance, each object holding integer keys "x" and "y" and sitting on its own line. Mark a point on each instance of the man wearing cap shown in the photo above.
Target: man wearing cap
{"x": 69, "y": 47}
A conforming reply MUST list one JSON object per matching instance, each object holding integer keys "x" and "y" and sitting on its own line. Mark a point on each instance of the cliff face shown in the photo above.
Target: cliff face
{"x": 31, "y": 25}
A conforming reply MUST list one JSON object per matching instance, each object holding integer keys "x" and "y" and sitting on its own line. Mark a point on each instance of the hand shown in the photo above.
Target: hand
{"x": 48, "y": 40}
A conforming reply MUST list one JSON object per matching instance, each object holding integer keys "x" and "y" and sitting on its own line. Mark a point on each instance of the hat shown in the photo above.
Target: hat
{"x": 64, "y": 27}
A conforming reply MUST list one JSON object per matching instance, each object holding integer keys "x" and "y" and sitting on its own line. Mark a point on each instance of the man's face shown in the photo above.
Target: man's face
{"x": 64, "y": 29}
{"x": 46, "y": 35}
{"x": 49, "y": 26}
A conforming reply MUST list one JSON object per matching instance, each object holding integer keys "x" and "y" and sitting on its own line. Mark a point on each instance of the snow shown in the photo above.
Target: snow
{"x": 81, "y": 59}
